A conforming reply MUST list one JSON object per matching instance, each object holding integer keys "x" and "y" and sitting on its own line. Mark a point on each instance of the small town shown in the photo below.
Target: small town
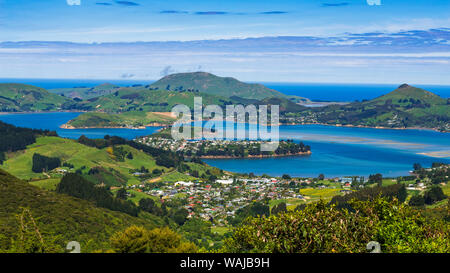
{"x": 223, "y": 148}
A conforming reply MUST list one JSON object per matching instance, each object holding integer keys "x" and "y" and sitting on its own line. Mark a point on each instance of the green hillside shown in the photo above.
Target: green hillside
{"x": 127, "y": 119}
{"x": 146, "y": 99}
{"x": 405, "y": 107}
{"x": 59, "y": 217}
{"x": 211, "y": 84}
{"x": 21, "y": 97}
{"x": 85, "y": 93}
{"x": 285, "y": 105}
{"x": 112, "y": 171}
{"x": 407, "y": 92}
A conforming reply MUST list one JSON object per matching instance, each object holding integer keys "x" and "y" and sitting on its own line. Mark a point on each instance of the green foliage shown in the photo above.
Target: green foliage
{"x": 433, "y": 195}
{"x": 406, "y": 106}
{"x": 417, "y": 201}
{"x": 319, "y": 227}
{"x": 210, "y": 84}
{"x": 126, "y": 119}
{"x": 17, "y": 138}
{"x": 159, "y": 240}
{"x": 148, "y": 205}
{"x": 280, "y": 208}
{"x": 58, "y": 218}
{"x": 397, "y": 191}
{"x": 26, "y": 98}
{"x": 255, "y": 209}
{"x": 180, "y": 216}
{"x": 75, "y": 185}
{"x": 30, "y": 239}
{"x": 43, "y": 163}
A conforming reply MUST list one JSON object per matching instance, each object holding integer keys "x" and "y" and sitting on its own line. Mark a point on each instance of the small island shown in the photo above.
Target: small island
{"x": 129, "y": 120}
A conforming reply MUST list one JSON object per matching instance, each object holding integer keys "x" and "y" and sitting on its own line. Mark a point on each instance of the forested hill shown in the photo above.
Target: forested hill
{"x": 57, "y": 216}
{"x": 214, "y": 85}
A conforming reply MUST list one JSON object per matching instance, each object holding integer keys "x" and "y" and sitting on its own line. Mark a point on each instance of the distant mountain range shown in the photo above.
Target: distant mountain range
{"x": 404, "y": 107}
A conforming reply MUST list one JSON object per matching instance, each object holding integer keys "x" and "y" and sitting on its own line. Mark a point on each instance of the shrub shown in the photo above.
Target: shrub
{"x": 159, "y": 240}
{"x": 325, "y": 228}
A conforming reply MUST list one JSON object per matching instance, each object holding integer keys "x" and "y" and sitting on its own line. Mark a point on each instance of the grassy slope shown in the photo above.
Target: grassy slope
{"x": 63, "y": 216}
{"x": 126, "y": 119}
{"x": 20, "y": 163}
{"x": 214, "y": 85}
{"x": 22, "y": 97}
{"x": 86, "y": 92}
{"x": 397, "y": 113}
{"x": 79, "y": 155}
{"x": 143, "y": 99}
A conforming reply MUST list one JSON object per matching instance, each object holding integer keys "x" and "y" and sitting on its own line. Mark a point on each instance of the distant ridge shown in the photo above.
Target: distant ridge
{"x": 406, "y": 91}
{"x": 405, "y": 107}
{"x": 17, "y": 97}
{"x": 214, "y": 85}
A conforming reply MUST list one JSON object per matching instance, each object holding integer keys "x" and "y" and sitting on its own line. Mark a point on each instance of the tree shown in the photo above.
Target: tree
{"x": 130, "y": 155}
{"x": 417, "y": 201}
{"x": 43, "y": 163}
{"x": 280, "y": 208}
{"x": 286, "y": 176}
{"x": 376, "y": 178}
{"x": 122, "y": 194}
{"x": 180, "y": 216}
{"x": 417, "y": 166}
{"x": 434, "y": 194}
{"x": 321, "y": 176}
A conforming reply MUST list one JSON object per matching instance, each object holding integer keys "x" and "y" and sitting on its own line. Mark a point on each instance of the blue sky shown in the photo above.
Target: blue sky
{"x": 334, "y": 40}
{"x": 120, "y": 21}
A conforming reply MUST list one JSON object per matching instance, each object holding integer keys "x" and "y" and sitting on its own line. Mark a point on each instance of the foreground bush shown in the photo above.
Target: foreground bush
{"x": 325, "y": 228}
{"x": 159, "y": 240}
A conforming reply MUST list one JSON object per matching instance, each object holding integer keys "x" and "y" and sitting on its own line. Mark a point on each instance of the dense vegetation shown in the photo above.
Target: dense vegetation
{"x": 75, "y": 185}
{"x": 16, "y": 138}
{"x": 42, "y": 163}
{"x": 58, "y": 218}
{"x": 397, "y": 191}
{"x": 323, "y": 228}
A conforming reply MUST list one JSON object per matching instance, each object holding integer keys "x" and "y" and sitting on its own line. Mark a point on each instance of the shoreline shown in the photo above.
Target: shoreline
{"x": 66, "y": 126}
{"x": 42, "y": 112}
{"x": 70, "y": 127}
{"x": 370, "y": 127}
{"x": 253, "y": 156}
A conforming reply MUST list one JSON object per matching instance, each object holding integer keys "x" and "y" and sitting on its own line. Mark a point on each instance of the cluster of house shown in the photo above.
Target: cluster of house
{"x": 193, "y": 146}
{"x": 223, "y": 198}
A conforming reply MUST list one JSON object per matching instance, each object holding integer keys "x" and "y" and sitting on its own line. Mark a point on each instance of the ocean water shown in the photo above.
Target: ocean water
{"x": 52, "y": 121}
{"x": 336, "y": 151}
{"x": 347, "y": 92}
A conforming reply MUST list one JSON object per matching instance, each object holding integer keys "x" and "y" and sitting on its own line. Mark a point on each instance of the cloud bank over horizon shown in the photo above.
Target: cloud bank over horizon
{"x": 415, "y": 56}
{"x": 280, "y": 41}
